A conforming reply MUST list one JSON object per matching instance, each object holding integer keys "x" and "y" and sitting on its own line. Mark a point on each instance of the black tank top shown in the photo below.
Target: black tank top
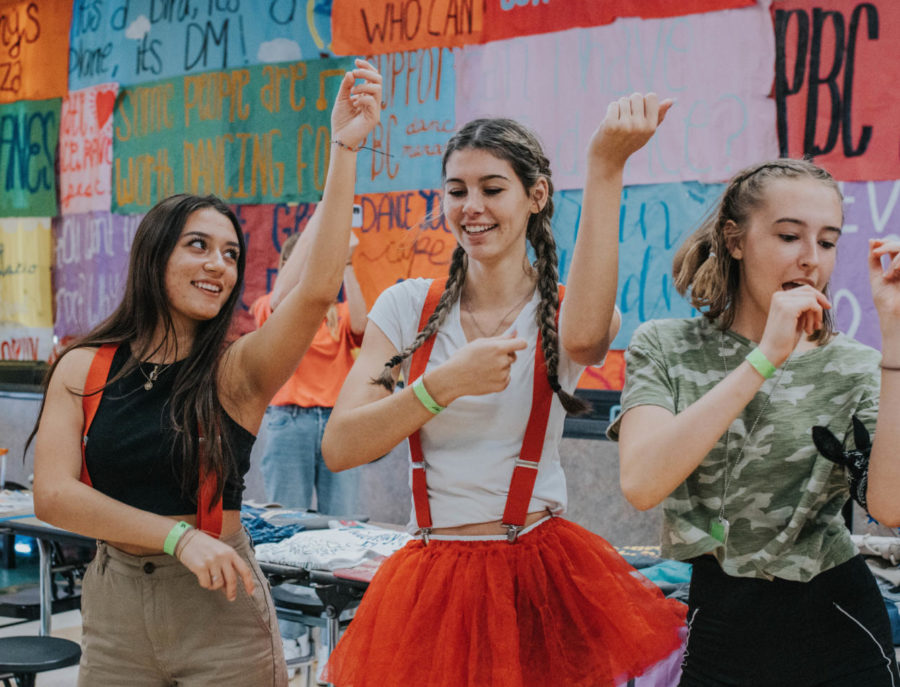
{"x": 133, "y": 452}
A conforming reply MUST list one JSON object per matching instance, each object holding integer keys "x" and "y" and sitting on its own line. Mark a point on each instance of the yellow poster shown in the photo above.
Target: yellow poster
{"x": 26, "y": 255}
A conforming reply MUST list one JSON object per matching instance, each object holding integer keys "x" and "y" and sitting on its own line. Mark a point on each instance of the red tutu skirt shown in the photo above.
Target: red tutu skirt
{"x": 558, "y": 607}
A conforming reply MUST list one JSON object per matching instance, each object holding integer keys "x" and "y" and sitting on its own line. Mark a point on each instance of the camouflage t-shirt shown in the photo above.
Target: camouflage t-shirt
{"x": 784, "y": 500}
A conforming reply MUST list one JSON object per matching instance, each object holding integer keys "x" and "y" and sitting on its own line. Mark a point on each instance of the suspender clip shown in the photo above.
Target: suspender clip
{"x": 426, "y": 533}
{"x": 512, "y": 532}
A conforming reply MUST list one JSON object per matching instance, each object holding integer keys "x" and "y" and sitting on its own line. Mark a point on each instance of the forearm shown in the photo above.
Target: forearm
{"x": 77, "y": 507}
{"x": 659, "y": 451}
{"x": 356, "y": 304}
{"x": 884, "y": 465}
{"x": 591, "y": 286}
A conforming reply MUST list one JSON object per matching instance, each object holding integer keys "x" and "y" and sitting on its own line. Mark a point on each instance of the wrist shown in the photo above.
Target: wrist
{"x": 340, "y": 144}
{"x": 424, "y": 397}
{"x": 437, "y": 388}
{"x": 175, "y": 535}
{"x": 760, "y": 362}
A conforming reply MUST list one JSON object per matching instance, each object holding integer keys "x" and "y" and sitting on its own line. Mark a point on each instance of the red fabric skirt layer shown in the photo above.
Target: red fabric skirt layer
{"x": 558, "y": 607}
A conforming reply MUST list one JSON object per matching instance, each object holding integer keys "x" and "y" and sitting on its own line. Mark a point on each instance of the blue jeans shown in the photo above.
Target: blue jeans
{"x": 292, "y": 463}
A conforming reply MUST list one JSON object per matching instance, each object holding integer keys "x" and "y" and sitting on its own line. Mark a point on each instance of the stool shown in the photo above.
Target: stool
{"x": 26, "y": 656}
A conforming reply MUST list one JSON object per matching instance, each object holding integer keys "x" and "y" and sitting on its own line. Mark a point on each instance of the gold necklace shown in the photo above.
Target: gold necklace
{"x": 500, "y": 324}
{"x": 154, "y": 374}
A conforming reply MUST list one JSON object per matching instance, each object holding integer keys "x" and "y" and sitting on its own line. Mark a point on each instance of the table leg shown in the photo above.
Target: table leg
{"x": 45, "y": 582}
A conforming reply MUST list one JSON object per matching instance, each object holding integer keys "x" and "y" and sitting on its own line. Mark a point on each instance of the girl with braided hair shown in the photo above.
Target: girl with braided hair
{"x": 495, "y": 589}
{"x": 717, "y": 425}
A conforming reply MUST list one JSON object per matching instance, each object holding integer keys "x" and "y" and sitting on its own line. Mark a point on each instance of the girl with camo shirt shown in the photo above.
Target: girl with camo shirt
{"x": 716, "y": 422}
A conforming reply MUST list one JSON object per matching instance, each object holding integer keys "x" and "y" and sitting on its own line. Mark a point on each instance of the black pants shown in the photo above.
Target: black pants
{"x": 832, "y": 631}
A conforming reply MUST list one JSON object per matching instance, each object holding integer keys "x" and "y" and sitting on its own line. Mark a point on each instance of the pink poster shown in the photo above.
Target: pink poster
{"x": 85, "y": 149}
{"x": 717, "y": 66}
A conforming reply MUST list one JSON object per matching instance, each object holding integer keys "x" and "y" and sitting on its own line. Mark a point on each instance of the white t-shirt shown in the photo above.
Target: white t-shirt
{"x": 470, "y": 448}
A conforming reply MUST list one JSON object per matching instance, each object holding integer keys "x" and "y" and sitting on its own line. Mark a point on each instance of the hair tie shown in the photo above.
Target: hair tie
{"x": 396, "y": 360}
{"x": 554, "y": 383}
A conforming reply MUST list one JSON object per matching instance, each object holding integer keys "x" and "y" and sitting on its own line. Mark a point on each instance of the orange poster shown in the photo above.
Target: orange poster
{"x": 370, "y": 27}
{"x": 402, "y": 236}
{"x": 34, "y": 49}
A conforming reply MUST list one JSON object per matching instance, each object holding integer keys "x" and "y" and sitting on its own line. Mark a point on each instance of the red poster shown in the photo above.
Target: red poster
{"x": 836, "y": 68}
{"x": 511, "y": 18}
{"x": 371, "y": 27}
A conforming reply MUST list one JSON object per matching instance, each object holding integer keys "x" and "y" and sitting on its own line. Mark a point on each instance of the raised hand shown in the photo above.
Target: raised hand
{"x": 628, "y": 125}
{"x": 885, "y": 283}
{"x": 791, "y": 314}
{"x": 216, "y": 565}
{"x": 357, "y": 108}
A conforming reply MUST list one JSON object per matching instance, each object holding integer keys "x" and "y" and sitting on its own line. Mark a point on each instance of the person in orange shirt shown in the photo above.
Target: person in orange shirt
{"x": 292, "y": 464}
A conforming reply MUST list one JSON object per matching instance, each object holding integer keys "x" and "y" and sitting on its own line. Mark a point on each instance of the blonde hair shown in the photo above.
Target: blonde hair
{"x": 703, "y": 268}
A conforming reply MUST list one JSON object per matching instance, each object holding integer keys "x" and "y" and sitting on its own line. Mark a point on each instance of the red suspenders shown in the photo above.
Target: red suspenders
{"x": 209, "y": 514}
{"x": 525, "y": 471}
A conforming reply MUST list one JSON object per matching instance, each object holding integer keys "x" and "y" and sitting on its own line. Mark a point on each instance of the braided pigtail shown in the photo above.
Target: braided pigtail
{"x": 455, "y": 281}
{"x": 541, "y": 237}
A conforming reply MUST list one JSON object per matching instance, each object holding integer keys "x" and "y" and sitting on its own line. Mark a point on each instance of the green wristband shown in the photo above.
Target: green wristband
{"x": 422, "y": 394}
{"x": 176, "y": 533}
{"x": 760, "y": 363}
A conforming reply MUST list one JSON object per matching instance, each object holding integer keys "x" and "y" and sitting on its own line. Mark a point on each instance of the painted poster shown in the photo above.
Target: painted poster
{"x": 255, "y": 135}
{"x": 85, "y": 149}
{"x": 511, "y": 18}
{"x": 718, "y": 67}
{"x": 131, "y": 41}
{"x": 90, "y": 266}
{"x": 871, "y": 210}
{"x": 403, "y": 235}
{"x": 29, "y": 132}
{"x": 368, "y": 27}
{"x": 404, "y": 151}
{"x": 26, "y": 300}
{"x": 266, "y": 227}
{"x": 33, "y": 36}
{"x": 836, "y": 71}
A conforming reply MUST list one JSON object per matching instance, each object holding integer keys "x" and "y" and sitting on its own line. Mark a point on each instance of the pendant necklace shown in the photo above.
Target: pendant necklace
{"x": 499, "y": 326}
{"x": 718, "y": 528}
{"x": 154, "y": 374}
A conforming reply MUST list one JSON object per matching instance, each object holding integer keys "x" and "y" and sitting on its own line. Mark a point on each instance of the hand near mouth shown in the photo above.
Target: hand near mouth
{"x": 792, "y": 312}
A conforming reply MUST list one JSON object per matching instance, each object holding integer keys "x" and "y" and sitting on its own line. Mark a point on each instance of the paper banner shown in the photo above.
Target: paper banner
{"x": 255, "y": 135}
{"x": 653, "y": 223}
{"x": 85, "y": 149}
{"x": 871, "y": 210}
{"x": 369, "y": 27}
{"x": 415, "y": 124}
{"x": 29, "y": 132}
{"x": 610, "y": 375}
{"x": 91, "y": 265}
{"x": 25, "y": 343}
{"x": 132, "y": 41}
{"x": 718, "y": 66}
{"x": 266, "y": 227}
{"x": 403, "y": 235}
{"x": 835, "y": 85}
{"x": 511, "y": 18}
{"x": 33, "y": 37}
{"x": 25, "y": 255}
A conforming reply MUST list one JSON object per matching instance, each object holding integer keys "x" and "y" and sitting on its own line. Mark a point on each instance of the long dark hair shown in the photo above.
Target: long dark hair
{"x": 194, "y": 407}
{"x": 507, "y": 140}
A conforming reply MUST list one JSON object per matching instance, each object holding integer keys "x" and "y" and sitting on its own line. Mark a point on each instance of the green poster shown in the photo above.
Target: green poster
{"x": 255, "y": 135}
{"x": 29, "y": 133}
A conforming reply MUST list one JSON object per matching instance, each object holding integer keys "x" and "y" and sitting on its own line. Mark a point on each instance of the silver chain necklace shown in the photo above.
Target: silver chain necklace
{"x": 720, "y": 527}
{"x": 499, "y": 327}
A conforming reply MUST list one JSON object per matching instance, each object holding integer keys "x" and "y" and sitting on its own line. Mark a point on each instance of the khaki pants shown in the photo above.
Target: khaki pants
{"x": 148, "y": 623}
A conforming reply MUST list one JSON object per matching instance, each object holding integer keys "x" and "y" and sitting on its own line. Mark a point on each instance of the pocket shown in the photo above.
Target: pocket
{"x": 259, "y": 603}
{"x": 276, "y": 419}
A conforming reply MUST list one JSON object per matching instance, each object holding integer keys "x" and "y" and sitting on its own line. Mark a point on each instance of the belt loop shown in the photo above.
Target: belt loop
{"x": 512, "y": 532}
{"x": 102, "y": 556}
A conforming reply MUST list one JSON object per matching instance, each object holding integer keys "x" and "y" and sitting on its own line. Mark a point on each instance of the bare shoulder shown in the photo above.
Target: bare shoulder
{"x": 72, "y": 369}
